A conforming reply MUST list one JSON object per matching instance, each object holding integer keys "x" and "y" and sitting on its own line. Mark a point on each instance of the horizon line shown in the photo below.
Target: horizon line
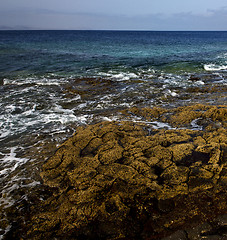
{"x": 114, "y": 30}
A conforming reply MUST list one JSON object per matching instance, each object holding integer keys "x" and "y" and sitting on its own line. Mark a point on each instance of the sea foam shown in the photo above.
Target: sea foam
{"x": 215, "y": 67}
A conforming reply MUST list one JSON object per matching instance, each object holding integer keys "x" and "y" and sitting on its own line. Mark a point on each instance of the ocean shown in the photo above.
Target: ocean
{"x": 54, "y": 81}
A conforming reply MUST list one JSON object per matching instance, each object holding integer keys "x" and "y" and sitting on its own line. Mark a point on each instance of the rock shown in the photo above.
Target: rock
{"x": 196, "y": 232}
{"x": 222, "y": 221}
{"x": 213, "y": 117}
{"x": 125, "y": 180}
{"x": 1, "y": 81}
{"x": 194, "y": 78}
{"x": 182, "y": 153}
{"x": 113, "y": 180}
{"x": 179, "y": 235}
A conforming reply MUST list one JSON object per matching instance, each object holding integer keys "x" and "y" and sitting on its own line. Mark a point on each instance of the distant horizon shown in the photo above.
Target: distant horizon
{"x": 113, "y": 30}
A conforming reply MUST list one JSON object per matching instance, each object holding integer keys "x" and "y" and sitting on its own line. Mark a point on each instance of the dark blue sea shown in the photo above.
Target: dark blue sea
{"x": 53, "y": 81}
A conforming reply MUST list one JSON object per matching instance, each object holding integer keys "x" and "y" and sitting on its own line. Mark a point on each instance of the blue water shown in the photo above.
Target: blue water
{"x": 91, "y": 52}
{"x": 53, "y": 81}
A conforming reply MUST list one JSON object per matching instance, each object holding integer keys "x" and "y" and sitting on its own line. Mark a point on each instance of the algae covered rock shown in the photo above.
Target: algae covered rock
{"x": 116, "y": 180}
{"x": 193, "y": 116}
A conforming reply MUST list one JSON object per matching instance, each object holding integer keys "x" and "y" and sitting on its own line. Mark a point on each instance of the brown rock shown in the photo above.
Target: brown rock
{"x": 114, "y": 181}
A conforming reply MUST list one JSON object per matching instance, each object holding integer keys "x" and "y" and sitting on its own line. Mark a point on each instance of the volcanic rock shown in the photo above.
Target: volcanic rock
{"x": 116, "y": 180}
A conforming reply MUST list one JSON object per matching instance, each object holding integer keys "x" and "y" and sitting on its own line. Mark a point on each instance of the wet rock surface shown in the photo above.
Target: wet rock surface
{"x": 125, "y": 180}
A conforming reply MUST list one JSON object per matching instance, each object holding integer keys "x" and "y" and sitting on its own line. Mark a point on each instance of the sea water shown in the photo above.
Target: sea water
{"x": 53, "y": 81}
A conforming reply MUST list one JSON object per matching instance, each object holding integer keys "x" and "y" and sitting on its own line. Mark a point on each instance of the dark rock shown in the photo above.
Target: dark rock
{"x": 179, "y": 235}
{"x": 1, "y": 81}
{"x": 166, "y": 205}
{"x": 196, "y": 232}
{"x": 194, "y": 78}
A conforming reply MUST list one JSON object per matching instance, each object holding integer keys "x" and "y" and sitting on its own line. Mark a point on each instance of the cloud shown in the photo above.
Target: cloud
{"x": 212, "y": 20}
{"x": 49, "y": 19}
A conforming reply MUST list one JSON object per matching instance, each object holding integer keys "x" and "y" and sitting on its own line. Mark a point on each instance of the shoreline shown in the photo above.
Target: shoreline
{"x": 168, "y": 88}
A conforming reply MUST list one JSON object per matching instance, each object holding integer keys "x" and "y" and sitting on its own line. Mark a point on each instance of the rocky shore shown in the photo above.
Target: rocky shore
{"x": 125, "y": 180}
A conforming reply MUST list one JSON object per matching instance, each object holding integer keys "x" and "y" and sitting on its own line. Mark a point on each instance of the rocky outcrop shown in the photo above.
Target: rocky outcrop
{"x": 203, "y": 115}
{"x": 121, "y": 180}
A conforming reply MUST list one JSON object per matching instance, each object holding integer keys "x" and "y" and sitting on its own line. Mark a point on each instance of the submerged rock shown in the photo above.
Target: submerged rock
{"x": 117, "y": 180}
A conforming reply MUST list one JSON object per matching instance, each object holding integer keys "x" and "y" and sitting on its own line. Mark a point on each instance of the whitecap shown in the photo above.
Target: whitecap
{"x": 6, "y": 81}
{"x": 121, "y": 76}
{"x": 124, "y": 76}
{"x": 199, "y": 83}
{"x": 215, "y": 67}
{"x": 35, "y": 81}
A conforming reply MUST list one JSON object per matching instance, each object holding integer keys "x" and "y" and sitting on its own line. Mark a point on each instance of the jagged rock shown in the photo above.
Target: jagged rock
{"x": 114, "y": 180}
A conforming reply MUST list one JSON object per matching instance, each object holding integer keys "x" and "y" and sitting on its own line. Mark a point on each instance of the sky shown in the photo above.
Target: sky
{"x": 158, "y": 15}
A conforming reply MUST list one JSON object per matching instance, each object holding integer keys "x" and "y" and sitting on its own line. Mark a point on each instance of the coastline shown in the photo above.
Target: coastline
{"x": 169, "y": 88}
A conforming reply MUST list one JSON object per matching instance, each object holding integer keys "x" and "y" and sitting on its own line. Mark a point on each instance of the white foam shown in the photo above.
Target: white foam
{"x": 12, "y": 156}
{"x": 10, "y": 108}
{"x": 215, "y": 67}
{"x": 172, "y": 93}
{"x": 76, "y": 98}
{"x": 160, "y": 125}
{"x": 59, "y": 109}
{"x": 11, "y": 162}
{"x": 83, "y": 118}
{"x": 173, "y": 80}
{"x": 5, "y": 134}
{"x": 200, "y": 82}
{"x": 82, "y": 105}
{"x": 155, "y": 124}
{"x": 63, "y": 119}
{"x": 6, "y": 81}
{"x": 195, "y": 126}
{"x": 120, "y": 76}
{"x": 108, "y": 119}
{"x": 32, "y": 184}
{"x": 37, "y": 81}
{"x": 30, "y": 111}
{"x": 3, "y": 172}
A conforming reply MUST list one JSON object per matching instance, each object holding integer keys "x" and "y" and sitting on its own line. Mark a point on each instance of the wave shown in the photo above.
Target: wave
{"x": 117, "y": 75}
{"x": 215, "y": 67}
{"x": 47, "y": 80}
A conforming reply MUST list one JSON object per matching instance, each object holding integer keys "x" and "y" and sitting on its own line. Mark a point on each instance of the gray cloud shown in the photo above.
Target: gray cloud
{"x": 49, "y": 19}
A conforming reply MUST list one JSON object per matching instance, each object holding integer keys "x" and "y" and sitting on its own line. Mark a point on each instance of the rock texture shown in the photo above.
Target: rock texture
{"x": 121, "y": 180}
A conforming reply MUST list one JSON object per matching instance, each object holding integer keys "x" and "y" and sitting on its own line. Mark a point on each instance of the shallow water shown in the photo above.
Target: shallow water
{"x": 53, "y": 81}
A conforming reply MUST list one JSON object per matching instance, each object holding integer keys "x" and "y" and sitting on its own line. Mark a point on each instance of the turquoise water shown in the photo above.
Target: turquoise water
{"x": 94, "y": 52}
{"x": 53, "y": 81}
